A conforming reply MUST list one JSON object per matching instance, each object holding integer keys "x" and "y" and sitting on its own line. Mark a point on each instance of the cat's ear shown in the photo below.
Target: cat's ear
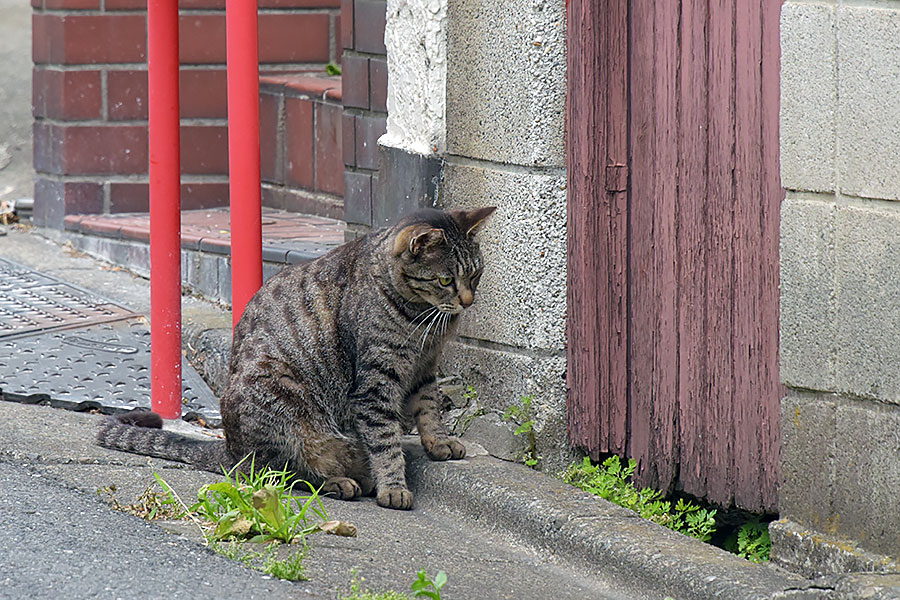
{"x": 470, "y": 220}
{"x": 416, "y": 238}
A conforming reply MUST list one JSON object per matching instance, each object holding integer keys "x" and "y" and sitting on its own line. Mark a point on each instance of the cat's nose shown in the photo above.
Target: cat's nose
{"x": 466, "y": 298}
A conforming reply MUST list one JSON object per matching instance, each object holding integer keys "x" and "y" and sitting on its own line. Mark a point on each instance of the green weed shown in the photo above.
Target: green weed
{"x": 423, "y": 587}
{"x": 612, "y": 481}
{"x": 522, "y": 415}
{"x": 751, "y": 541}
{"x": 259, "y": 505}
{"x": 333, "y": 69}
{"x": 267, "y": 561}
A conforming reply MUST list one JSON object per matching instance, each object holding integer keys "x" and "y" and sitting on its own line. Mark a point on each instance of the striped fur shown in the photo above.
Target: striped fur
{"x": 334, "y": 359}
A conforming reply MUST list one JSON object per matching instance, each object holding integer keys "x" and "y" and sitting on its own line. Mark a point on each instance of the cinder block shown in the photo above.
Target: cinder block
{"x": 501, "y": 376}
{"x": 869, "y": 93}
{"x": 530, "y": 225}
{"x": 868, "y": 301}
{"x": 807, "y": 458}
{"x": 808, "y": 96}
{"x": 867, "y": 475}
{"x": 506, "y": 81}
{"x": 808, "y": 327}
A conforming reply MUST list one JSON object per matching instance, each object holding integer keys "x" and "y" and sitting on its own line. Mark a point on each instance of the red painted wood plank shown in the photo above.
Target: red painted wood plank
{"x": 720, "y": 204}
{"x": 747, "y": 241}
{"x": 585, "y": 263}
{"x": 642, "y": 284}
{"x": 773, "y": 194}
{"x": 664, "y": 414}
{"x": 616, "y": 86}
{"x": 692, "y": 251}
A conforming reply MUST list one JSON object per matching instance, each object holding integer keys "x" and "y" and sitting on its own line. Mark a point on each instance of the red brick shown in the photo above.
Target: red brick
{"x": 368, "y": 27}
{"x": 269, "y": 140}
{"x": 203, "y": 93}
{"x": 126, "y": 95}
{"x": 204, "y": 149}
{"x": 329, "y": 157}
{"x": 378, "y": 77}
{"x": 125, "y": 5}
{"x": 299, "y": 3}
{"x": 69, "y": 95}
{"x": 71, "y": 4}
{"x": 193, "y": 4}
{"x": 47, "y": 147}
{"x": 357, "y": 198}
{"x": 337, "y": 47}
{"x": 368, "y": 130}
{"x": 42, "y": 37}
{"x": 89, "y": 149}
{"x": 78, "y": 39}
{"x": 206, "y": 194}
{"x": 355, "y": 81}
{"x": 53, "y": 200}
{"x": 298, "y": 135}
{"x": 348, "y": 139}
{"x": 306, "y": 85}
{"x": 201, "y": 39}
{"x": 129, "y": 197}
{"x": 286, "y": 37}
{"x": 36, "y": 4}
{"x": 347, "y": 24}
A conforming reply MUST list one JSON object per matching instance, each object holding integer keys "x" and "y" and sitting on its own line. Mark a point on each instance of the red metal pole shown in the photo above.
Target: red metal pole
{"x": 243, "y": 152}
{"x": 165, "y": 208}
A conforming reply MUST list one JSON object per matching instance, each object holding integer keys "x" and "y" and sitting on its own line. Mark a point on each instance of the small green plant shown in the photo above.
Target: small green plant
{"x": 751, "y": 541}
{"x": 612, "y": 481}
{"x": 425, "y": 587}
{"x": 259, "y": 505}
{"x": 357, "y": 593}
{"x": 267, "y": 561}
{"x": 523, "y": 416}
{"x": 332, "y": 69}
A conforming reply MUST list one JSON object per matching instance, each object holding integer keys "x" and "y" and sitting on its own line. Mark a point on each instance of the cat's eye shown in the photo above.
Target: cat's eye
{"x": 445, "y": 280}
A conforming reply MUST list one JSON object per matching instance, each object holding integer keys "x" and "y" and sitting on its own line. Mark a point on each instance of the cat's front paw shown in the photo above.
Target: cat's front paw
{"x": 342, "y": 488}
{"x": 443, "y": 449}
{"x": 395, "y": 497}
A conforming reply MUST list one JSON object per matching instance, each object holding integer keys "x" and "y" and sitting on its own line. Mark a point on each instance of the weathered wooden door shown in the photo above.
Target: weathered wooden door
{"x": 673, "y": 241}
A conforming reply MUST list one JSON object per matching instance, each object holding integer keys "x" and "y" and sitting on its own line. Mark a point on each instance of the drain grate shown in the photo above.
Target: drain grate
{"x": 32, "y": 302}
{"x": 64, "y": 346}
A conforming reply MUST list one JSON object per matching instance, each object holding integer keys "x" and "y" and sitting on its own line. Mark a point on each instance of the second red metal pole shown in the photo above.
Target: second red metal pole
{"x": 243, "y": 152}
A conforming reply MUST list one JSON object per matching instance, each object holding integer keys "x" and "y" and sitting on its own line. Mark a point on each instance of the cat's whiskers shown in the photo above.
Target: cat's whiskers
{"x": 424, "y": 317}
{"x": 431, "y": 323}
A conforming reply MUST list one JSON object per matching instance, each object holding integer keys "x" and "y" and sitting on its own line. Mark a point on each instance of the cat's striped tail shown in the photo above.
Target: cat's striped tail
{"x": 142, "y": 433}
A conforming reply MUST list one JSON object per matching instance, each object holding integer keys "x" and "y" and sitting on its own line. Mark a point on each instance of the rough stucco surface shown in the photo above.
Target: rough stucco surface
{"x": 416, "y": 41}
{"x": 506, "y": 83}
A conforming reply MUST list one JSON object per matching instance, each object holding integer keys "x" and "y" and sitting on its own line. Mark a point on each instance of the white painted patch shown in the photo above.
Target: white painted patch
{"x": 416, "y": 40}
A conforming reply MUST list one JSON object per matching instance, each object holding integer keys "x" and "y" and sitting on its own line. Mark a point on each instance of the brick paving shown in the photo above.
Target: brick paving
{"x": 210, "y": 230}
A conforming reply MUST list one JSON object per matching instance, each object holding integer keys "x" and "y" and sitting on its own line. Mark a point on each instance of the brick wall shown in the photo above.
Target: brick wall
{"x": 365, "y": 106}
{"x": 90, "y": 96}
{"x": 301, "y": 154}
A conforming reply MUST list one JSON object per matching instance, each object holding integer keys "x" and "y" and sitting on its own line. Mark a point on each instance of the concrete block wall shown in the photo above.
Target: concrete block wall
{"x": 505, "y": 132}
{"x": 90, "y": 96}
{"x": 840, "y": 279}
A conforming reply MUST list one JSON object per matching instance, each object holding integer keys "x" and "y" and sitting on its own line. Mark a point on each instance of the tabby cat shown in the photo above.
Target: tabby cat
{"x": 334, "y": 359}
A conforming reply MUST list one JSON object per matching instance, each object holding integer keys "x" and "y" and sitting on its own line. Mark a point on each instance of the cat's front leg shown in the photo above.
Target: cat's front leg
{"x": 424, "y": 408}
{"x": 376, "y": 406}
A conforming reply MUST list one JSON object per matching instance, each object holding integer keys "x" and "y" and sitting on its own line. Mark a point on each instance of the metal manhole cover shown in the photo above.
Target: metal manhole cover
{"x": 64, "y": 346}
{"x": 32, "y": 302}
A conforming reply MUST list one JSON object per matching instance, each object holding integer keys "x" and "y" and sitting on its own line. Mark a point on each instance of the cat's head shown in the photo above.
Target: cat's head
{"x": 437, "y": 260}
